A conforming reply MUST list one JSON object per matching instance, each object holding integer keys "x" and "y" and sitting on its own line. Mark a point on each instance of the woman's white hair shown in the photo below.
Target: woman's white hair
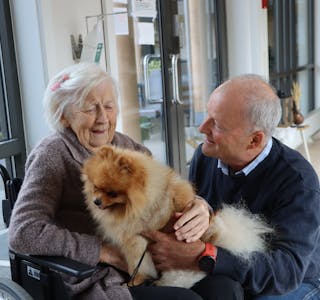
{"x": 71, "y": 86}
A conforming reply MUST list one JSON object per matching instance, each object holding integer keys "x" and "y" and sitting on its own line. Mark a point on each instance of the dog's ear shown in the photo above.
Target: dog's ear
{"x": 125, "y": 165}
{"x": 105, "y": 152}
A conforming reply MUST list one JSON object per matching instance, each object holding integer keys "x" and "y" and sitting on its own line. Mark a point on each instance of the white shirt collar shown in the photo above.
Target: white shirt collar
{"x": 250, "y": 167}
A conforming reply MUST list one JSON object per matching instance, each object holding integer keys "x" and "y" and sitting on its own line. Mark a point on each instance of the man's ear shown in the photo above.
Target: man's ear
{"x": 256, "y": 140}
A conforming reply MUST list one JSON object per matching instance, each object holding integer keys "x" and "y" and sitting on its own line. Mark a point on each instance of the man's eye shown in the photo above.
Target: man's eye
{"x": 112, "y": 194}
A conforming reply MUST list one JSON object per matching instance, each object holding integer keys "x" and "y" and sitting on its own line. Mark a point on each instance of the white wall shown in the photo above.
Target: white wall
{"x": 247, "y": 33}
{"x": 60, "y": 19}
{"x": 42, "y": 32}
{"x": 31, "y": 67}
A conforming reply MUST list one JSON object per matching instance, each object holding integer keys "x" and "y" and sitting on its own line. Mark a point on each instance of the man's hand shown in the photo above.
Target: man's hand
{"x": 168, "y": 253}
{"x": 112, "y": 256}
{"x": 193, "y": 221}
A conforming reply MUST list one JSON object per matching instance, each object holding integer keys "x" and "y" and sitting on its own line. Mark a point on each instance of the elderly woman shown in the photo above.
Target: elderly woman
{"x": 50, "y": 216}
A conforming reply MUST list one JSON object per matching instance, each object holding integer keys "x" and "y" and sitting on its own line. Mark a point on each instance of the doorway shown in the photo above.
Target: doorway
{"x": 166, "y": 57}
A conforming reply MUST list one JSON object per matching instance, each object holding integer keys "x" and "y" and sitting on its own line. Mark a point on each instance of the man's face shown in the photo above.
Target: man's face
{"x": 226, "y": 131}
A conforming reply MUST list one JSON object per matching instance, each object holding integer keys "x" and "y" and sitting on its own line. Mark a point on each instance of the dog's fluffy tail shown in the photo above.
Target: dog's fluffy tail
{"x": 239, "y": 231}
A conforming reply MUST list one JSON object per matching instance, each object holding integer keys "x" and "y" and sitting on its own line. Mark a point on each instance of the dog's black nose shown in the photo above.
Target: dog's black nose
{"x": 97, "y": 201}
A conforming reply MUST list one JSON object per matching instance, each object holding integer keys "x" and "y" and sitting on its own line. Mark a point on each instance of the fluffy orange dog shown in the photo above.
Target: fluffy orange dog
{"x": 128, "y": 192}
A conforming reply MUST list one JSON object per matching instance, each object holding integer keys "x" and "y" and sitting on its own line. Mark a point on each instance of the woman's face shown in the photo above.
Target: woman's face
{"x": 94, "y": 123}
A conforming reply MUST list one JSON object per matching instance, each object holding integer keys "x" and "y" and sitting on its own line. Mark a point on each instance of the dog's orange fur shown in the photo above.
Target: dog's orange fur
{"x": 136, "y": 193}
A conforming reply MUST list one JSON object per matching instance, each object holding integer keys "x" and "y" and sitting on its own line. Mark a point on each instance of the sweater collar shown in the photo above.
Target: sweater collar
{"x": 78, "y": 152}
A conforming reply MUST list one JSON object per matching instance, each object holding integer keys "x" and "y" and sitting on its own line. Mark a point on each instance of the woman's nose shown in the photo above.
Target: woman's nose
{"x": 102, "y": 115}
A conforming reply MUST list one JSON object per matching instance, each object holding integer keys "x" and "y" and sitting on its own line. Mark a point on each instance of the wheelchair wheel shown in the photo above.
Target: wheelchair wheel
{"x": 10, "y": 290}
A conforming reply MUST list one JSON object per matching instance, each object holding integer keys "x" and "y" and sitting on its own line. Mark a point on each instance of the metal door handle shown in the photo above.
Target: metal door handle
{"x": 175, "y": 79}
{"x": 146, "y": 76}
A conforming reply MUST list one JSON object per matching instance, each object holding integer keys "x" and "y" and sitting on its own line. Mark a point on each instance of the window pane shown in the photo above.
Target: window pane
{"x": 3, "y": 122}
{"x": 302, "y": 32}
{"x": 305, "y": 98}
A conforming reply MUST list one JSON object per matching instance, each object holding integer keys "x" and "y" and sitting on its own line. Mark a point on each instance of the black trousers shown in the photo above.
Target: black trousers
{"x": 162, "y": 293}
{"x": 219, "y": 287}
{"x": 215, "y": 287}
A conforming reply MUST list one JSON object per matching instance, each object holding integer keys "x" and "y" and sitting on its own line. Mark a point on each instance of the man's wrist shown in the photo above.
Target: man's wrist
{"x": 208, "y": 258}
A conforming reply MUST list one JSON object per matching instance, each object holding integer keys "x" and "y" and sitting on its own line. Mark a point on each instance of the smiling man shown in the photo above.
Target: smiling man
{"x": 240, "y": 162}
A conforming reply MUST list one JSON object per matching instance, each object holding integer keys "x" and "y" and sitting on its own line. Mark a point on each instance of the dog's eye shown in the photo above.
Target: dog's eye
{"x": 112, "y": 194}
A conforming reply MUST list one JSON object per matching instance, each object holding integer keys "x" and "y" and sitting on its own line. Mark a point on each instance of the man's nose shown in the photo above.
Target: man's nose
{"x": 202, "y": 127}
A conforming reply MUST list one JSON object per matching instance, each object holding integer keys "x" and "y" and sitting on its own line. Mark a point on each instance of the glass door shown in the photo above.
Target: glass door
{"x": 132, "y": 56}
{"x": 163, "y": 55}
{"x": 189, "y": 47}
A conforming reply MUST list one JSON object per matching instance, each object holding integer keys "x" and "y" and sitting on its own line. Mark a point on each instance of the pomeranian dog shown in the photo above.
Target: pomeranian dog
{"x": 128, "y": 192}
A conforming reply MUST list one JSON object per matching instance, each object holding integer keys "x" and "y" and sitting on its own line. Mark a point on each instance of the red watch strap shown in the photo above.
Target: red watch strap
{"x": 210, "y": 250}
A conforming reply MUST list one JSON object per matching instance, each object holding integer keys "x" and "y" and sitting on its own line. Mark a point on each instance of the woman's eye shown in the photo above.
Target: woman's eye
{"x": 89, "y": 109}
{"x": 109, "y": 105}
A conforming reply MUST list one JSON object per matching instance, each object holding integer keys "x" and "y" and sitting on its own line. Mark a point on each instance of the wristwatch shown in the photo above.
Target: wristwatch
{"x": 208, "y": 258}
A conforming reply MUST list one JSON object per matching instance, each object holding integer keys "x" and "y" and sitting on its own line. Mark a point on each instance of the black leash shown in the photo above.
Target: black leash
{"x": 135, "y": 271}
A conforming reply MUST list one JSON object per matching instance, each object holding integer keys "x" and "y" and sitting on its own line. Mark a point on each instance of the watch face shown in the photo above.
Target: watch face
{"x": 206, "y": 264}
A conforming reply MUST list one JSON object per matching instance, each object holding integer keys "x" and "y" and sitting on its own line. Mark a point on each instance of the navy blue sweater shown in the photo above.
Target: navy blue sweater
{"x": 285, "y": 189}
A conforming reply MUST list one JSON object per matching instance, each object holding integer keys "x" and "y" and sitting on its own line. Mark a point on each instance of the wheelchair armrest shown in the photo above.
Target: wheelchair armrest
{"x": 57, "y": 263}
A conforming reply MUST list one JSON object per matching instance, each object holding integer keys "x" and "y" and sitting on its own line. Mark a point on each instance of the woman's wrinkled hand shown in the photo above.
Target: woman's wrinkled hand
{"x": 112, "y": 256}
{"x": 193, "y": 221}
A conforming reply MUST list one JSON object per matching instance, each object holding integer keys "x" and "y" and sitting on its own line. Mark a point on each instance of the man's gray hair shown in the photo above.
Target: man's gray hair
{"x": 263, "y": 109}
{"x": 71, "y": 86}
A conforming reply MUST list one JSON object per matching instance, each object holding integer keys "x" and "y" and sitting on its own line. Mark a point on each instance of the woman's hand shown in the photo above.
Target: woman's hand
{"x": 112, "y": 256}
{"x": 193, "y": 221}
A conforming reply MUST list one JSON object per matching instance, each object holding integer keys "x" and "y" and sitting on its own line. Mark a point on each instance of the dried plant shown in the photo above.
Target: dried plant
{"x": 296, "y": 94}
{"x": 298, "y": 118}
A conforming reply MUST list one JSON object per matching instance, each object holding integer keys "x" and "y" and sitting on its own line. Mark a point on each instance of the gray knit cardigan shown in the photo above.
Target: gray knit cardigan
{"x": 50, "y": 217}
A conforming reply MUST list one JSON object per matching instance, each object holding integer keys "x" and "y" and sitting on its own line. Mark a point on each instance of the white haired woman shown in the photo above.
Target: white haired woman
{"x": 50, "y": 218}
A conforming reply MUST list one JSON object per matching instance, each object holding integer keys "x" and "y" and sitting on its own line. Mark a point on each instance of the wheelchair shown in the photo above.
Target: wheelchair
{"x": 34, "y": 277}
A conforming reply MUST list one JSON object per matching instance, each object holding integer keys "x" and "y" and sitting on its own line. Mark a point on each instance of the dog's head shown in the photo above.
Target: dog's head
{"x": 114, "y": 179}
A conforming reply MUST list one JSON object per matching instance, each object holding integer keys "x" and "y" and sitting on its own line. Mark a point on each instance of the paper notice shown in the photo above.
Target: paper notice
{"x": 120, "y": 17}
{"x": 145, "y": 33}
{"x": 144, "y": 8}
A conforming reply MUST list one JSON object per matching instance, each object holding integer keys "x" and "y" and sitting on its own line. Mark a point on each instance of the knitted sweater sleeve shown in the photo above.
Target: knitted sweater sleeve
{"x": 33, "y": 227}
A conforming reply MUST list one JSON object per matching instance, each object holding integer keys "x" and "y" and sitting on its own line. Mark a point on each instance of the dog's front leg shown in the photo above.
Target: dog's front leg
{"x": 140, "y": 264}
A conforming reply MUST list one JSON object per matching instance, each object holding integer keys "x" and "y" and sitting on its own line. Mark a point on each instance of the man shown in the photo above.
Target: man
{"x": 240, "y": 162}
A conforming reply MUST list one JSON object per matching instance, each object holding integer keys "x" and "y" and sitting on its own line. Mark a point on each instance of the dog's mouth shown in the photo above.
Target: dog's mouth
{"x": 110, "y": 206}
{"x": 102, "y": 205}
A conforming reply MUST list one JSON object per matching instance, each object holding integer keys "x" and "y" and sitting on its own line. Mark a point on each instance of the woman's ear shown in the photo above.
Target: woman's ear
{"x": 64, "y": 121}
